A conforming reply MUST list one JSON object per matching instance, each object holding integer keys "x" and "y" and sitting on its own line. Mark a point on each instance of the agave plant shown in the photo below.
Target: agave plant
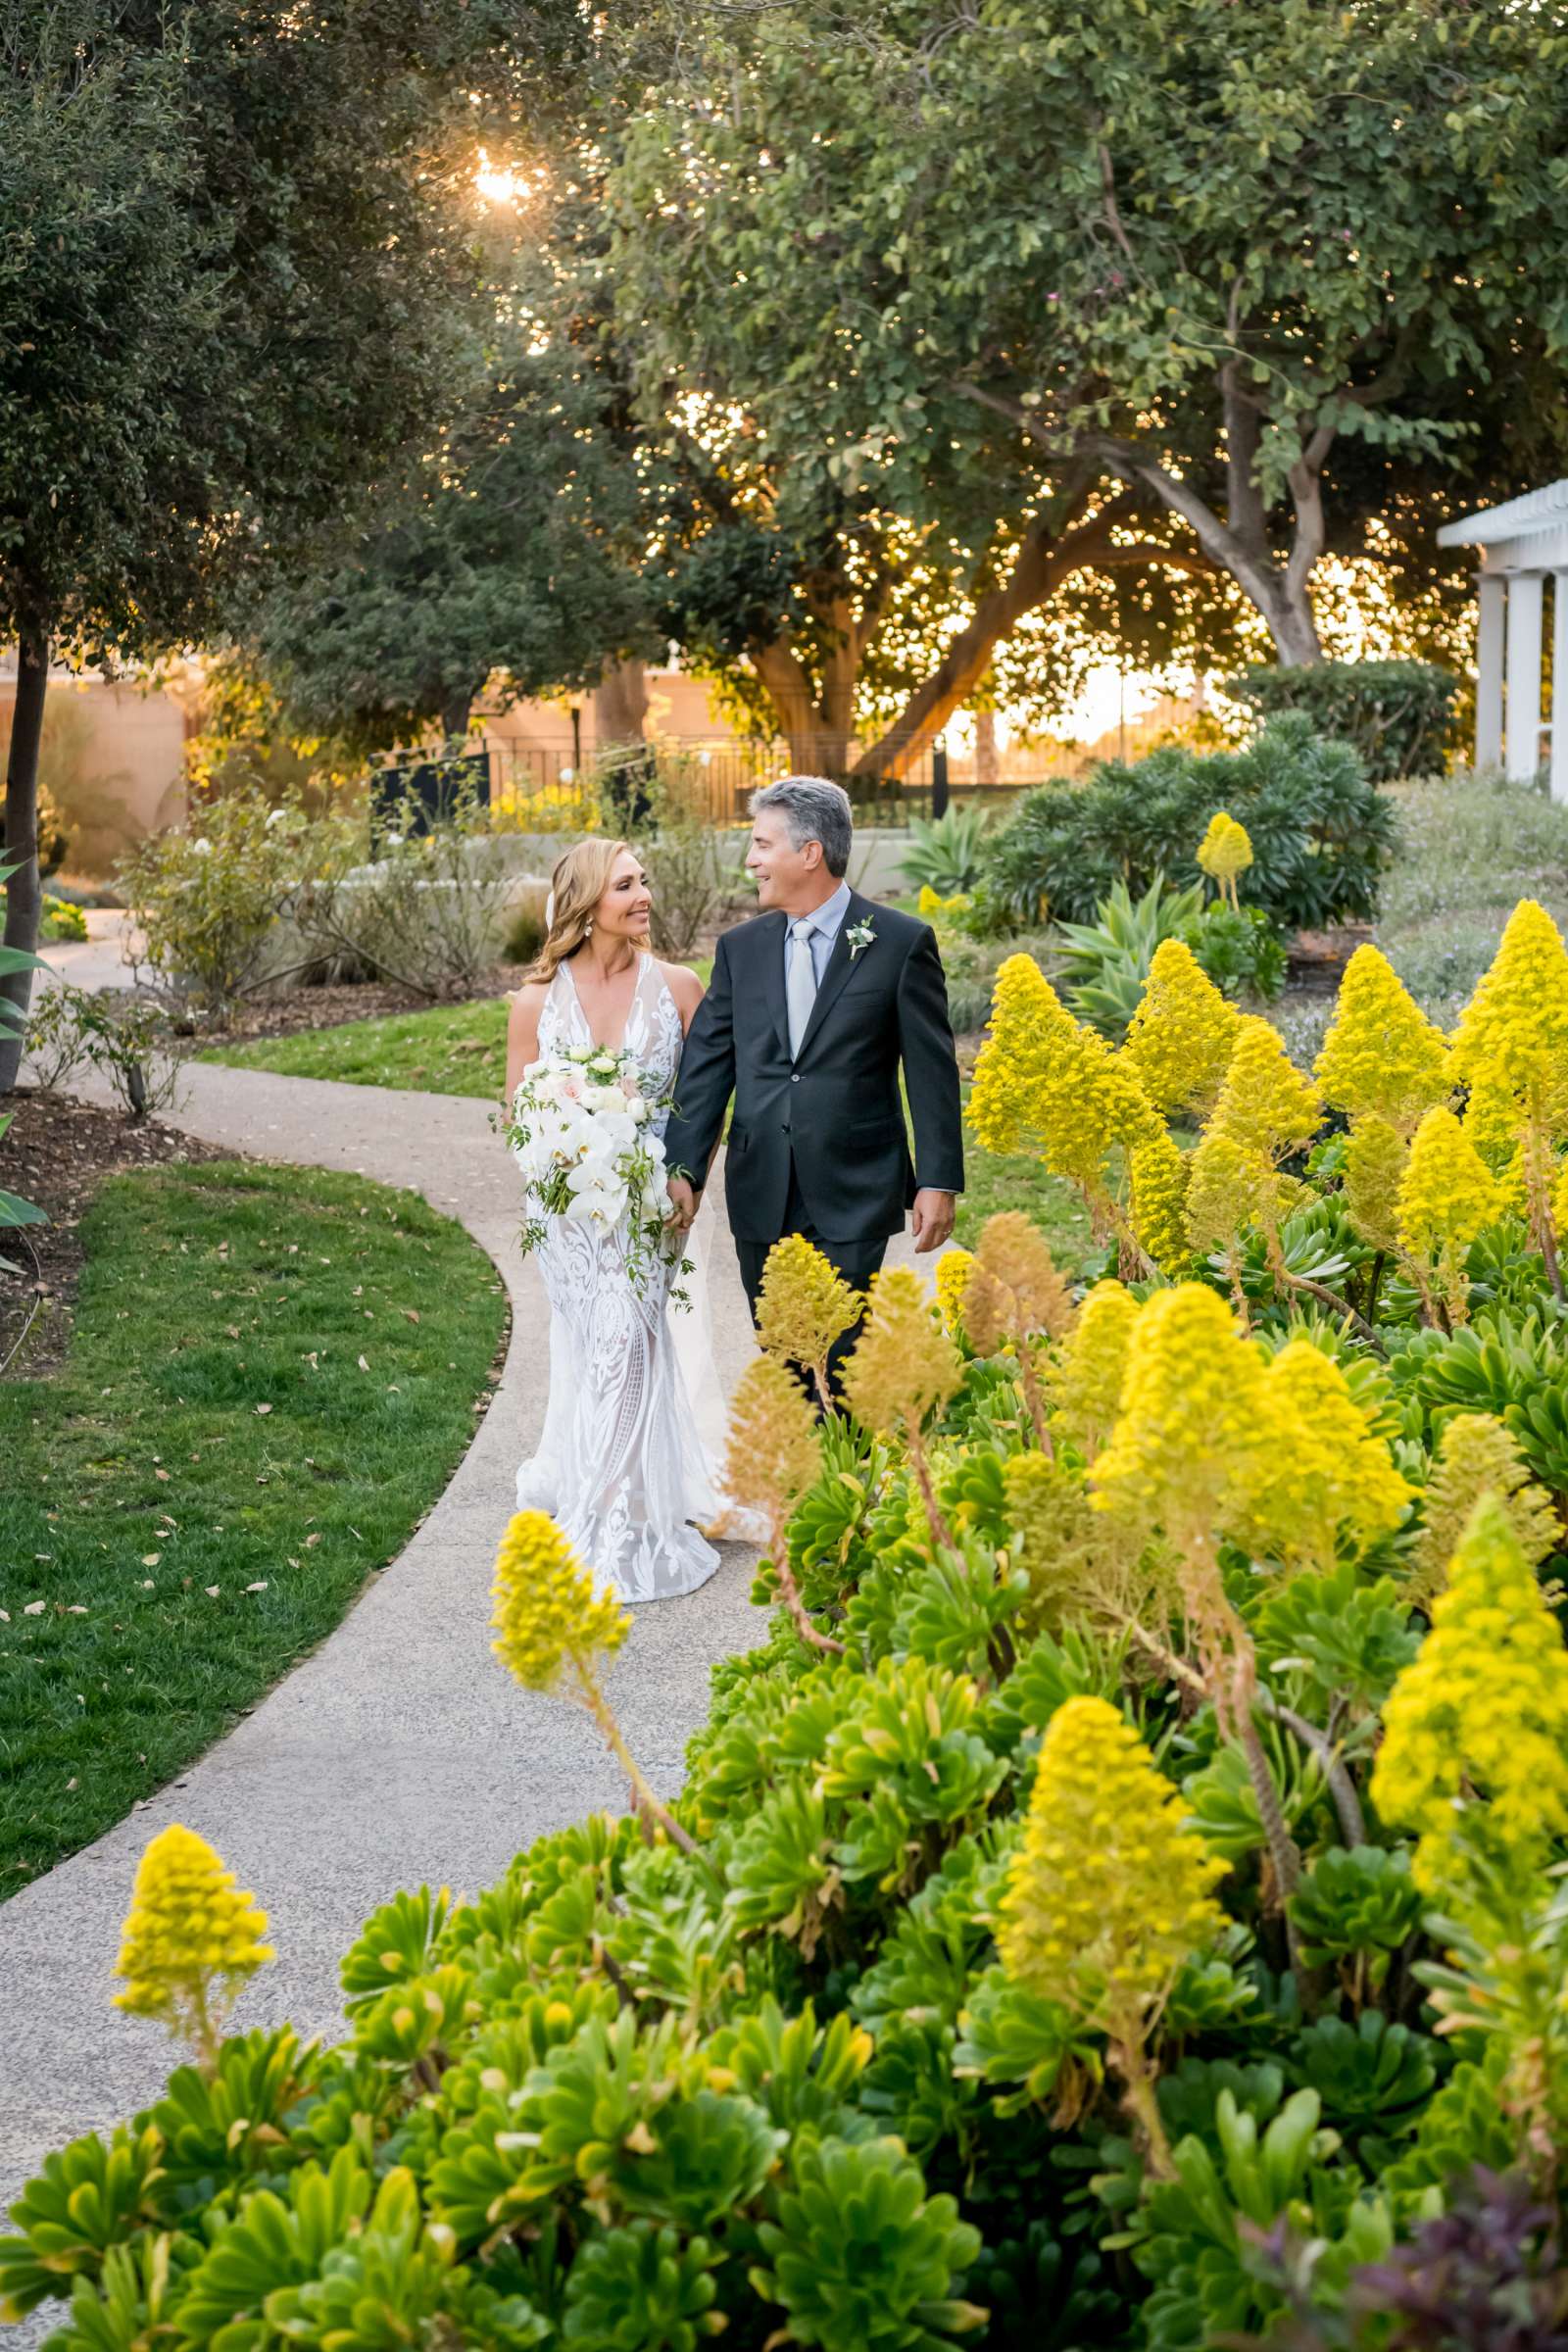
{"x": 944, "y": 850}
{"x": 1107, "y": 962}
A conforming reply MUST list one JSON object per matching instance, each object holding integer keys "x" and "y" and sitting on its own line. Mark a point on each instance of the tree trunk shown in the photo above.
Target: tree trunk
{"x": 620, "y": 704}
{"x": 1045, "y": 559}
{"x": 24, "y": 893}
{"x": 986, "y": 767}
{"x": 454, "y": 716}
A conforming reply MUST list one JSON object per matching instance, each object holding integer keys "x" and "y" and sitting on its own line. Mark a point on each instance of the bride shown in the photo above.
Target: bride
{"x": 620, "y": 1466}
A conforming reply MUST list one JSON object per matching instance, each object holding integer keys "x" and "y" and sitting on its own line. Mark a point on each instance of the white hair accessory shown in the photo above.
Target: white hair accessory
{"x": 549, "y": 909}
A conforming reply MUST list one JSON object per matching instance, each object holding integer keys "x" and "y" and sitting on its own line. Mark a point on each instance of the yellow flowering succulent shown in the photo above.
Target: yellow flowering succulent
{"x": 1087, "y": 1381}
{"x": 904, "y": 1366}
{"x": 1477, "y": 1454}
{"x": 1228, "y": 1188}
{"x": 775, "y": 1448}
{"x": 1382, "y": 1057}
{"x": 1013, "y": 1289}
{"x": 951, "y": 1279}
{"x": 1511, "y": 1049}
{"x": 1325, "y": 1474}
{"x": 553, "y": 1626}
{"x": 1446, "y": 1197}
{"x": 1182, "y": 1033}
{"x": 547, "y": 1615}
{"x": 1192, "y": 1419}
{"x": 1109, "y": 1893}
{"x": 1376, "y": 1155}
{"x": 190, "y": 1940}
{"x": 1225, "y": 851}
{"x": 1265, "y": 1105}
{"x": 1029, "y": 1026}
{"x": 1476, "y": 1729}
{"x": 804, "y": 1305}
{"x": 1046, "y": 1084}
{"x": 1157, "y": 1172}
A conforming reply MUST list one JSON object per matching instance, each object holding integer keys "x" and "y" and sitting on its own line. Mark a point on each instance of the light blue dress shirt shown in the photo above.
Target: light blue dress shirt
{"x": 826, "y": 920}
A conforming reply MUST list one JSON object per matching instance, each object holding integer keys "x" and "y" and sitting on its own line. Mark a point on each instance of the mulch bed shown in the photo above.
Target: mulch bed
{"x": 57, "y": 1154}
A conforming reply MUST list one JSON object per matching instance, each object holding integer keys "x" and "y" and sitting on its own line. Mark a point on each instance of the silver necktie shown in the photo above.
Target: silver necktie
{"x": 799, "y": 992}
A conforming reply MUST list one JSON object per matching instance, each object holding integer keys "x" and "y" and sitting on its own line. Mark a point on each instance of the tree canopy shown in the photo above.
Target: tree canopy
{"x": 236, "y": 262}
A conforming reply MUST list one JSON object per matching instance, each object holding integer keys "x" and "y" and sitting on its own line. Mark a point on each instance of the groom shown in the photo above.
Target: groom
{"x": 813, "y": 1007}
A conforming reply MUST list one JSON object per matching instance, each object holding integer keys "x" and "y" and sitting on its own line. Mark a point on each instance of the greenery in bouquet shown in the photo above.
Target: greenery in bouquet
{"x": 1120, "y": 1902}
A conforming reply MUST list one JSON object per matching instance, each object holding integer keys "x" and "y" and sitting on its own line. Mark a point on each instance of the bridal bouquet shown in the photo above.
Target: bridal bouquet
{"x": 580, "y": 1128}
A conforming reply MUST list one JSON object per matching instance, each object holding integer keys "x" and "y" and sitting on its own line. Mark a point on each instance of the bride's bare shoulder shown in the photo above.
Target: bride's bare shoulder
{"x": 683, "y": 985}
{"x": 529, "y": 992}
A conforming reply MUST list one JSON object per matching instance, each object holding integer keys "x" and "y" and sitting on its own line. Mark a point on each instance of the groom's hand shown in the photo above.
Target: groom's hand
{"x": 933, "y": 1219}
{"x": 683, "y": 1205}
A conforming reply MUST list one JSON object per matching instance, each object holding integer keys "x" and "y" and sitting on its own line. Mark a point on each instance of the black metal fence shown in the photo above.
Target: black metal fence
{"x": 719, "y": 778}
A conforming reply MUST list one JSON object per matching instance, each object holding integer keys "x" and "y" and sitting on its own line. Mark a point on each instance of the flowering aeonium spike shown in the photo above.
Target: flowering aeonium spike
{"x": 190, "y": 1940}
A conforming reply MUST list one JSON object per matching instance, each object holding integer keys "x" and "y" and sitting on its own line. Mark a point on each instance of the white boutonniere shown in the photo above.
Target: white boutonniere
{"x": 860, "y": 936}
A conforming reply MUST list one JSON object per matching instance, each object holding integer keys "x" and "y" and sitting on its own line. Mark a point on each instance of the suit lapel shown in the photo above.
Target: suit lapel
{"x": 771, "y": 948}
{"x": 838, "y": 966}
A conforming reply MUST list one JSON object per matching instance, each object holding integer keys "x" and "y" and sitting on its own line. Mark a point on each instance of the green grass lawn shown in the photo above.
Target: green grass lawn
{"x": 994, "y": 1181}
{"x": 271, "y": 1375}
{"x": 447, "y": 1049}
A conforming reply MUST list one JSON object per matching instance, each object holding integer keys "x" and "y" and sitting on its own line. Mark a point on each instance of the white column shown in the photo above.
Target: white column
{"x": 1559, "y": 688}
{"x": 1493, "y": 592}
{"x": 1523, "y": 742}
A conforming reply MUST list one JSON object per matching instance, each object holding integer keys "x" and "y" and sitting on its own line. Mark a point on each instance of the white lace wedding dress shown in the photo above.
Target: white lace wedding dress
{"x": 624, "y": 1465}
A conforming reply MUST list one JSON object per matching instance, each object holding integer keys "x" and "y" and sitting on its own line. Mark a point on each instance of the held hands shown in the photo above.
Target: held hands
{"x": 683, "y": 1205}
{"x": 932, "y": 1218}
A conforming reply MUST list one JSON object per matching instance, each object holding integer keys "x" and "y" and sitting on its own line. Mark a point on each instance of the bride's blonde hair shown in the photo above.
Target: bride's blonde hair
{"x": 578, "y": 883}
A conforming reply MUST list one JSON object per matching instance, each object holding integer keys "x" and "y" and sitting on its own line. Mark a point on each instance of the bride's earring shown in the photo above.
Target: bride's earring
{"x": 588, "y": 928}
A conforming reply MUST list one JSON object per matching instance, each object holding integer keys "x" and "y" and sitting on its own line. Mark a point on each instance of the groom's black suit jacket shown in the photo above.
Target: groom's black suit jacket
{"x": 834, "y": 1112}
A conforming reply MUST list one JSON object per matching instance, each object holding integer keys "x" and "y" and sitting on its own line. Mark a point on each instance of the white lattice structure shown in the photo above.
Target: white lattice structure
{"x": 1522, "y": 545}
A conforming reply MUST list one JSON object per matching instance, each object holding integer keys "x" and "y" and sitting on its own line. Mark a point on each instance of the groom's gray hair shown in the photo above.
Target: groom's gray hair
{"x": 813, "y": 809}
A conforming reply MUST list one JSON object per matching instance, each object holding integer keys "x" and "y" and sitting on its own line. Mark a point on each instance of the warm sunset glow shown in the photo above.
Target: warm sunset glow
{"x": 498, "y": 184}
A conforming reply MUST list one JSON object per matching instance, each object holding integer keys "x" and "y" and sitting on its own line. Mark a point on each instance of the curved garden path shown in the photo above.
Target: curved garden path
{"x": 400, "y": 1751}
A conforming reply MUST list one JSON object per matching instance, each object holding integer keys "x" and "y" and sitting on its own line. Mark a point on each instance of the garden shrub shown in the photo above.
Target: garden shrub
{"x": 1320, "y": 833}
{"x": 1120, "y": 1901}
{"x": 428, "y": 909}
{"x": 1397, "y": 714}
{"x": 210, "y": 901}
{"x": 69, "y": 1029}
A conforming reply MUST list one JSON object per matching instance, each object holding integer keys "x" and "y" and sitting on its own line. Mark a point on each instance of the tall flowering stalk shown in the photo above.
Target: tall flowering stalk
{"x": 1108, "y": 1894}
{"x": 1474, "y": 1760}
{"x": 1511, "y": 1051}
{"x": 1191, "y": 1447}
{"x": 904, "y": 1368}
{"x": 1382, "y": 1058}
{"x": 1182, "y": 1034}
{"x": 191, "y": 1940}
{"x": 551, "y": 1627}
{"x": 951, "y": 1280}
{"x": 1091, "y": 1368}
{"x": 804, "y": 1305}
{"x": 1330, "y": 1476}
{"x": 775, "y": 1451}
{"x": 1225, "y": 853}
{"x": 1477, "y": 1454}
{"x": 1014, "y": 1294}
{"x": 1046, "y": 1084}
{"x": 1446, "y": 1197}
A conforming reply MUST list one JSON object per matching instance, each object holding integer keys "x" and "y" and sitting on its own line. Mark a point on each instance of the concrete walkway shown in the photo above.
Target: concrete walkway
{"x": 399, "y": 1752}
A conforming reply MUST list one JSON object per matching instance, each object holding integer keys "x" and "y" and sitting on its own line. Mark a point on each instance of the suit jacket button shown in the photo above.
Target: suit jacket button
{"x": 795, "y": 1077}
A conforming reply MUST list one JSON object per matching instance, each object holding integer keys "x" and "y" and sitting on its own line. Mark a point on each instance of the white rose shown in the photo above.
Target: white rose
{"x": 637, "y": 1108}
